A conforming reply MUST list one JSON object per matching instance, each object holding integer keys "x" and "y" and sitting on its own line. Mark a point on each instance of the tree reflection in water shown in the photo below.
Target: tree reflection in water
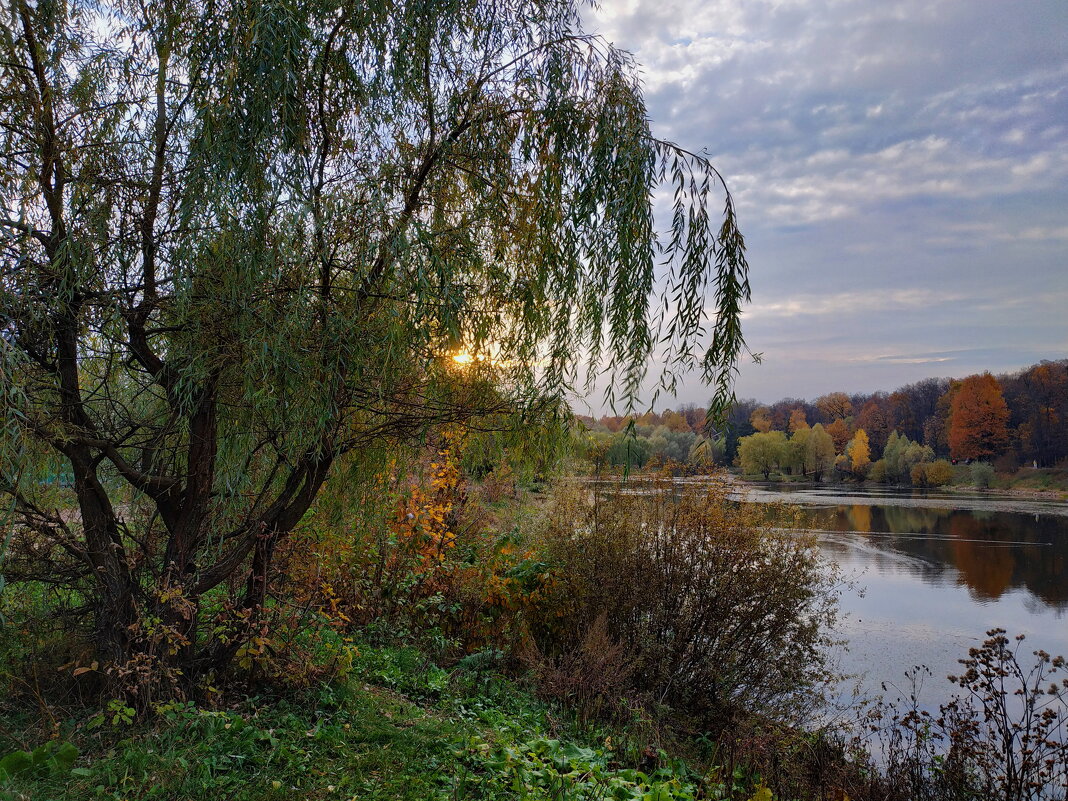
{"x": 990, "y": 552}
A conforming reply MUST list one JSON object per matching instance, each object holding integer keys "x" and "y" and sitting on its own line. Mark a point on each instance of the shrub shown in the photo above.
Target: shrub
{"x": 714, "y": 607}
{"x": 1003, "y": 737}
{"x": 878, "y": 471}
{"x": 918, "y": 475}
{"x": 584, "y": 676}
{"x": 413, "y": 558}
{"x": 982, "y": 474}
{"x": 938, "y": 473}
{"x": 931, "y": 474}
{"x": 499, "y": 483}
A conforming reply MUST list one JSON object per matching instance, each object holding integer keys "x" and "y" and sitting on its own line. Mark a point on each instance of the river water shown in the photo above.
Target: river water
{"x": 930, "y": 572}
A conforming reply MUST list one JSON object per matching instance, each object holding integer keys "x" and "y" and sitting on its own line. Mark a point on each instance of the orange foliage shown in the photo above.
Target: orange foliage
{"x": 978, "y": 419}
{"x": 675, "y": 421}
{"x": 424, "y": 520}
{"x": 432, "y": 563}
{"x": 840, "y": 433}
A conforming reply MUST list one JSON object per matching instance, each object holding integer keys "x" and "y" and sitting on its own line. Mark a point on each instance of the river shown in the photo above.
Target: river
{"x": 931, "y": 571}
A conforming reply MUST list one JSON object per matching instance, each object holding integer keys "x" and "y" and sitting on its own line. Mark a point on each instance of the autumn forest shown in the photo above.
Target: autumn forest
{"x": 1007, "y": 421}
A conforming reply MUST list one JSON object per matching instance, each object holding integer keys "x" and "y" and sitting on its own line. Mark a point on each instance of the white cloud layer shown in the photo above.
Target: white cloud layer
{"x": 901, "y": 168}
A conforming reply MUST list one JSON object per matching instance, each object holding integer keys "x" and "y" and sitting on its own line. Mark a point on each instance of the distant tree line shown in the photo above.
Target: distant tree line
{"x": 652, "y": 439}
{"x": 1009, "y": 420}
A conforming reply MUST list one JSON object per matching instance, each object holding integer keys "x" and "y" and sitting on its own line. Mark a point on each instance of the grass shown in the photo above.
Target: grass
{"x": 1045, "y": 479}
{"x": 398, "y": 727}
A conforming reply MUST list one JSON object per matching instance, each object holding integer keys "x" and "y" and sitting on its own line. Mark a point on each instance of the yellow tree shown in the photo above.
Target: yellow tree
{"x": 859, "y": 453}
{"x": 760, "y": 419}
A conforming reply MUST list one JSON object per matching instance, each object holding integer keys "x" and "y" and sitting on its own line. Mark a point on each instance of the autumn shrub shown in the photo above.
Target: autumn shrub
{"x": 918, "y": 475}
{"x": 499, "y": 483}
{"x": 714, "y": 607}
{"x": 587, "y": 675}
{"x": 932, "y": 474}
{"x": 413, "y": 557}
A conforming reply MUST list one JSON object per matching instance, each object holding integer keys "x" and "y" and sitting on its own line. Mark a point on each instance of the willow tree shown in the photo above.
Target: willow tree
{"x": 242, "y": 240}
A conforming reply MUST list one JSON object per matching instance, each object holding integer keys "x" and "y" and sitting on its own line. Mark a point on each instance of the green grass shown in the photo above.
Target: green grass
{"x": 398, "y": 727}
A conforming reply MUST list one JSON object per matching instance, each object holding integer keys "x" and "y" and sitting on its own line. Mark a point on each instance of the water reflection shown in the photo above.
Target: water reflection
{"x": 989, "y": 552}
{"x": 932, "y": 572}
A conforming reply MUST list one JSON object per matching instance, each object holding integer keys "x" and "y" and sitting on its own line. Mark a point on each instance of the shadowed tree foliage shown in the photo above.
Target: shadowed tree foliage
{"x": 1038, "y": 401}
{"x": 834, "y": 406}
{"x": 242, "y": 240}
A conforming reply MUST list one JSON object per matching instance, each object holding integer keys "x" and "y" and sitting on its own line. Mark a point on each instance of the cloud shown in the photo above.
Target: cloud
{"x": 849, "y": 303}
{"x": 908, "y": 359}
{"x": 901, "y": 170}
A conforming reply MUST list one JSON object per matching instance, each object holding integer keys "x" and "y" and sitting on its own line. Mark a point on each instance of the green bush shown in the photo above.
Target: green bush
{"x": 51, "y": 759}
{"x": 982, "y": 474}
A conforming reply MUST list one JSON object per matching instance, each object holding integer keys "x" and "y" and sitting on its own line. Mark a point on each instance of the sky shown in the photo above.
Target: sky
{"x": 901, "y": 173}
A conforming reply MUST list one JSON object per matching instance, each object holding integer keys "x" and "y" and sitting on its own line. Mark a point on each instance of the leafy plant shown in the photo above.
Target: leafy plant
{"x": 54, "y": 758}
{"x": 982, "y": 474}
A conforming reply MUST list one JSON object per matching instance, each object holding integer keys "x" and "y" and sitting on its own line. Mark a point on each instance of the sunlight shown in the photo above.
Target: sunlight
{"x": 465, "y": 358}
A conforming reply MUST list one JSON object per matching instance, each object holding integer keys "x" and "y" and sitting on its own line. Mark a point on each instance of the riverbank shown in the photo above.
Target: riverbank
{"x": 1043, "y": 482}
{"x": 1038, "y": 483}
{"x": 404, "y": 711}
{"x": 441, "y": 692}
{"x": 397, "y": 727}
{"x": 1018, "y": 492}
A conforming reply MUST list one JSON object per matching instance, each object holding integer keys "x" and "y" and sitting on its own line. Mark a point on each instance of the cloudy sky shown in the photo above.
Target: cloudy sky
{"x": 901, "y": 168}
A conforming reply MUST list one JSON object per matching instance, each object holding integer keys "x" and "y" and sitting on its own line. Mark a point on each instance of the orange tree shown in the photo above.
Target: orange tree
{"x": 978, "y": 419}
{"x": 241, "y": 241}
